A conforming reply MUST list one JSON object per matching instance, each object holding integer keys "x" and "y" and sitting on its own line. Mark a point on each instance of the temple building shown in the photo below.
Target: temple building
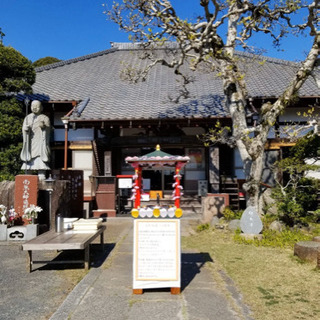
{"x": 102, "y": 114}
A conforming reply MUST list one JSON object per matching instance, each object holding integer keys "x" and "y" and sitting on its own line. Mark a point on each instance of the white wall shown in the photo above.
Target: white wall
{"x": 83, "y": 160}
{"x": 74, "y": 135}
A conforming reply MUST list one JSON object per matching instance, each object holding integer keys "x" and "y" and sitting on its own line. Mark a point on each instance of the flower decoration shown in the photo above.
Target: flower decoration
{"x": 31, "y": 212}
{"x": 11, "y": 216}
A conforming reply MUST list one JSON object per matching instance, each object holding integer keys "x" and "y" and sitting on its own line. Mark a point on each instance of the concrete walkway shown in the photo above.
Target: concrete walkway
{"x": 106, "y": 291}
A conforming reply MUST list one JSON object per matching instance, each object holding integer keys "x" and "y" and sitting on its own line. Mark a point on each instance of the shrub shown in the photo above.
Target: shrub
{"x": 284, "y": 239}
{"x": 295, "y": 194}
{"x": 202, "y": 227}
{"x": 297, "y": 204}
{"x": 229, "y": 214}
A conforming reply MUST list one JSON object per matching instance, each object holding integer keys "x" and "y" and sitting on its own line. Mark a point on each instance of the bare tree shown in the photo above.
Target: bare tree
{"x": 203, "y": 42}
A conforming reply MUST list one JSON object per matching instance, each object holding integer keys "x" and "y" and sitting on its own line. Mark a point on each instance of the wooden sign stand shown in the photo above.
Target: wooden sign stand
{"x": 157, "y": 255}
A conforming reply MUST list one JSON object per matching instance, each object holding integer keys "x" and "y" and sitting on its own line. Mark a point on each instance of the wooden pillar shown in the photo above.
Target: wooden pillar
{"x": 65, "y": 122}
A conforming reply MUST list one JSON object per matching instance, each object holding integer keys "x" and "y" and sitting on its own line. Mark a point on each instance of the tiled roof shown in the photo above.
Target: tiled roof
{"x": 97, "y": 77}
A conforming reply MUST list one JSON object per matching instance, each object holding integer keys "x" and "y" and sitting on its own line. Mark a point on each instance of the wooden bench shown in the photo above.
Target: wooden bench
{"x": 68, "y": 240}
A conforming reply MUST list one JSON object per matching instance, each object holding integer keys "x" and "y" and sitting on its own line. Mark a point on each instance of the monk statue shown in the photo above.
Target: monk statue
{"x": 35, "y": 152}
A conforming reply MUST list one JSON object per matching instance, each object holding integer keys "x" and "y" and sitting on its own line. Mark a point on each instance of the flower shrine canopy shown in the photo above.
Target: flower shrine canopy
{"x": 156, "y": 158}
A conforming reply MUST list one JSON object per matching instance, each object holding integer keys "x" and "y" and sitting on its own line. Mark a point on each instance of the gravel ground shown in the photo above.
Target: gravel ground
{"x": 37, "y": 295}
{"x": 24, "y": 295}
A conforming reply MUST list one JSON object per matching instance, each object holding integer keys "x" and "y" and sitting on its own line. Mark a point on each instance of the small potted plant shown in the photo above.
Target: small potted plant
{"x": 31, "y": 213}
{"x": 11, "y": 216}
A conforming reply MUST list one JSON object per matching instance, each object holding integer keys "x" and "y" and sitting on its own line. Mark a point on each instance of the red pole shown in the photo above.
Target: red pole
{"x": 137, "y": 201}
{"x": 177, "y": 189}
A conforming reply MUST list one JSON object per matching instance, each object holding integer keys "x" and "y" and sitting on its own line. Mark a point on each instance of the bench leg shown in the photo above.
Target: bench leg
{"x": 102, "y": 240}
{"x": 29, "y": 261}
{"x": 87, "y": 257}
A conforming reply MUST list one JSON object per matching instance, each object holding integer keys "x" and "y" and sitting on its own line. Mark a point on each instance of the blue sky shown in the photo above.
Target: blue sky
{"x": 67, "y": 29}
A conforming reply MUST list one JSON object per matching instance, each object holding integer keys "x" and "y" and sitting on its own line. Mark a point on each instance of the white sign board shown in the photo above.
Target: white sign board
{"x": 125, "y": 183}
{"x": 157, "y": 253}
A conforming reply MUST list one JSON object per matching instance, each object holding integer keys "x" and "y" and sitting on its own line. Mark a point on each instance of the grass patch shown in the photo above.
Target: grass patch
{"x": 273, "y": 283}
{"x": 284, "y": 239}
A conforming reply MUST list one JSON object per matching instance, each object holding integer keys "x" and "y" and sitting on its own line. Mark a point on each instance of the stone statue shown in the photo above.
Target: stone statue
{"x": 35, "y": 152}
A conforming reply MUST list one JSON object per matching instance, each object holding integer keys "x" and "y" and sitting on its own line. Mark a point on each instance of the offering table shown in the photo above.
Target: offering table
{"x": 68, "y": 240}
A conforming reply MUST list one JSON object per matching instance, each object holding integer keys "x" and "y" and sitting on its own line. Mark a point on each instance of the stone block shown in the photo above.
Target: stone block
{"x": 307, "y": 250}
{"x": 32, "y": 231}
{"x": 213, "y": 205}
{"x": 234, "y": 225}
{"x": 3, "y": 232}
{"x": 215, "y": 221}
{"x": 276, "y": 226}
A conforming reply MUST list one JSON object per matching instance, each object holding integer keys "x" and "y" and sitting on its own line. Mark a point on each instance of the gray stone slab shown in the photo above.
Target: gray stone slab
{"x": 98, "y": 305}
{"x": 208, "y": 304}
{"x": 106, "y": 292}
{"x": 196, "y": 278}
{"x": 126, "y": 247}
{"x": 155, "y": 310}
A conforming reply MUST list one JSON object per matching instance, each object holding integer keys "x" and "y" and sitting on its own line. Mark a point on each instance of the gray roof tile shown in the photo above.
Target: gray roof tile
{"x": 97, "y": 76}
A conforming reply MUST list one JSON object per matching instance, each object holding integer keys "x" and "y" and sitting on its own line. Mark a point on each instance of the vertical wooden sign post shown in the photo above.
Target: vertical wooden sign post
{"x": 157, "y": 255}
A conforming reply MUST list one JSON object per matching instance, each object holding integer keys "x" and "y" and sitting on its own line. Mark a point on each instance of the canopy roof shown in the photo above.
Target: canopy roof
{"x": 158, "y": 158}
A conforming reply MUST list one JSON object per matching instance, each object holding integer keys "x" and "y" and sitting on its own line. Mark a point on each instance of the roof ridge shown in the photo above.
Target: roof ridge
{"x": 73, "y": 60}
{"x": 267, "y": 58}
{"x": 142, "y": 45}
{"x": 124, "y": 46}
